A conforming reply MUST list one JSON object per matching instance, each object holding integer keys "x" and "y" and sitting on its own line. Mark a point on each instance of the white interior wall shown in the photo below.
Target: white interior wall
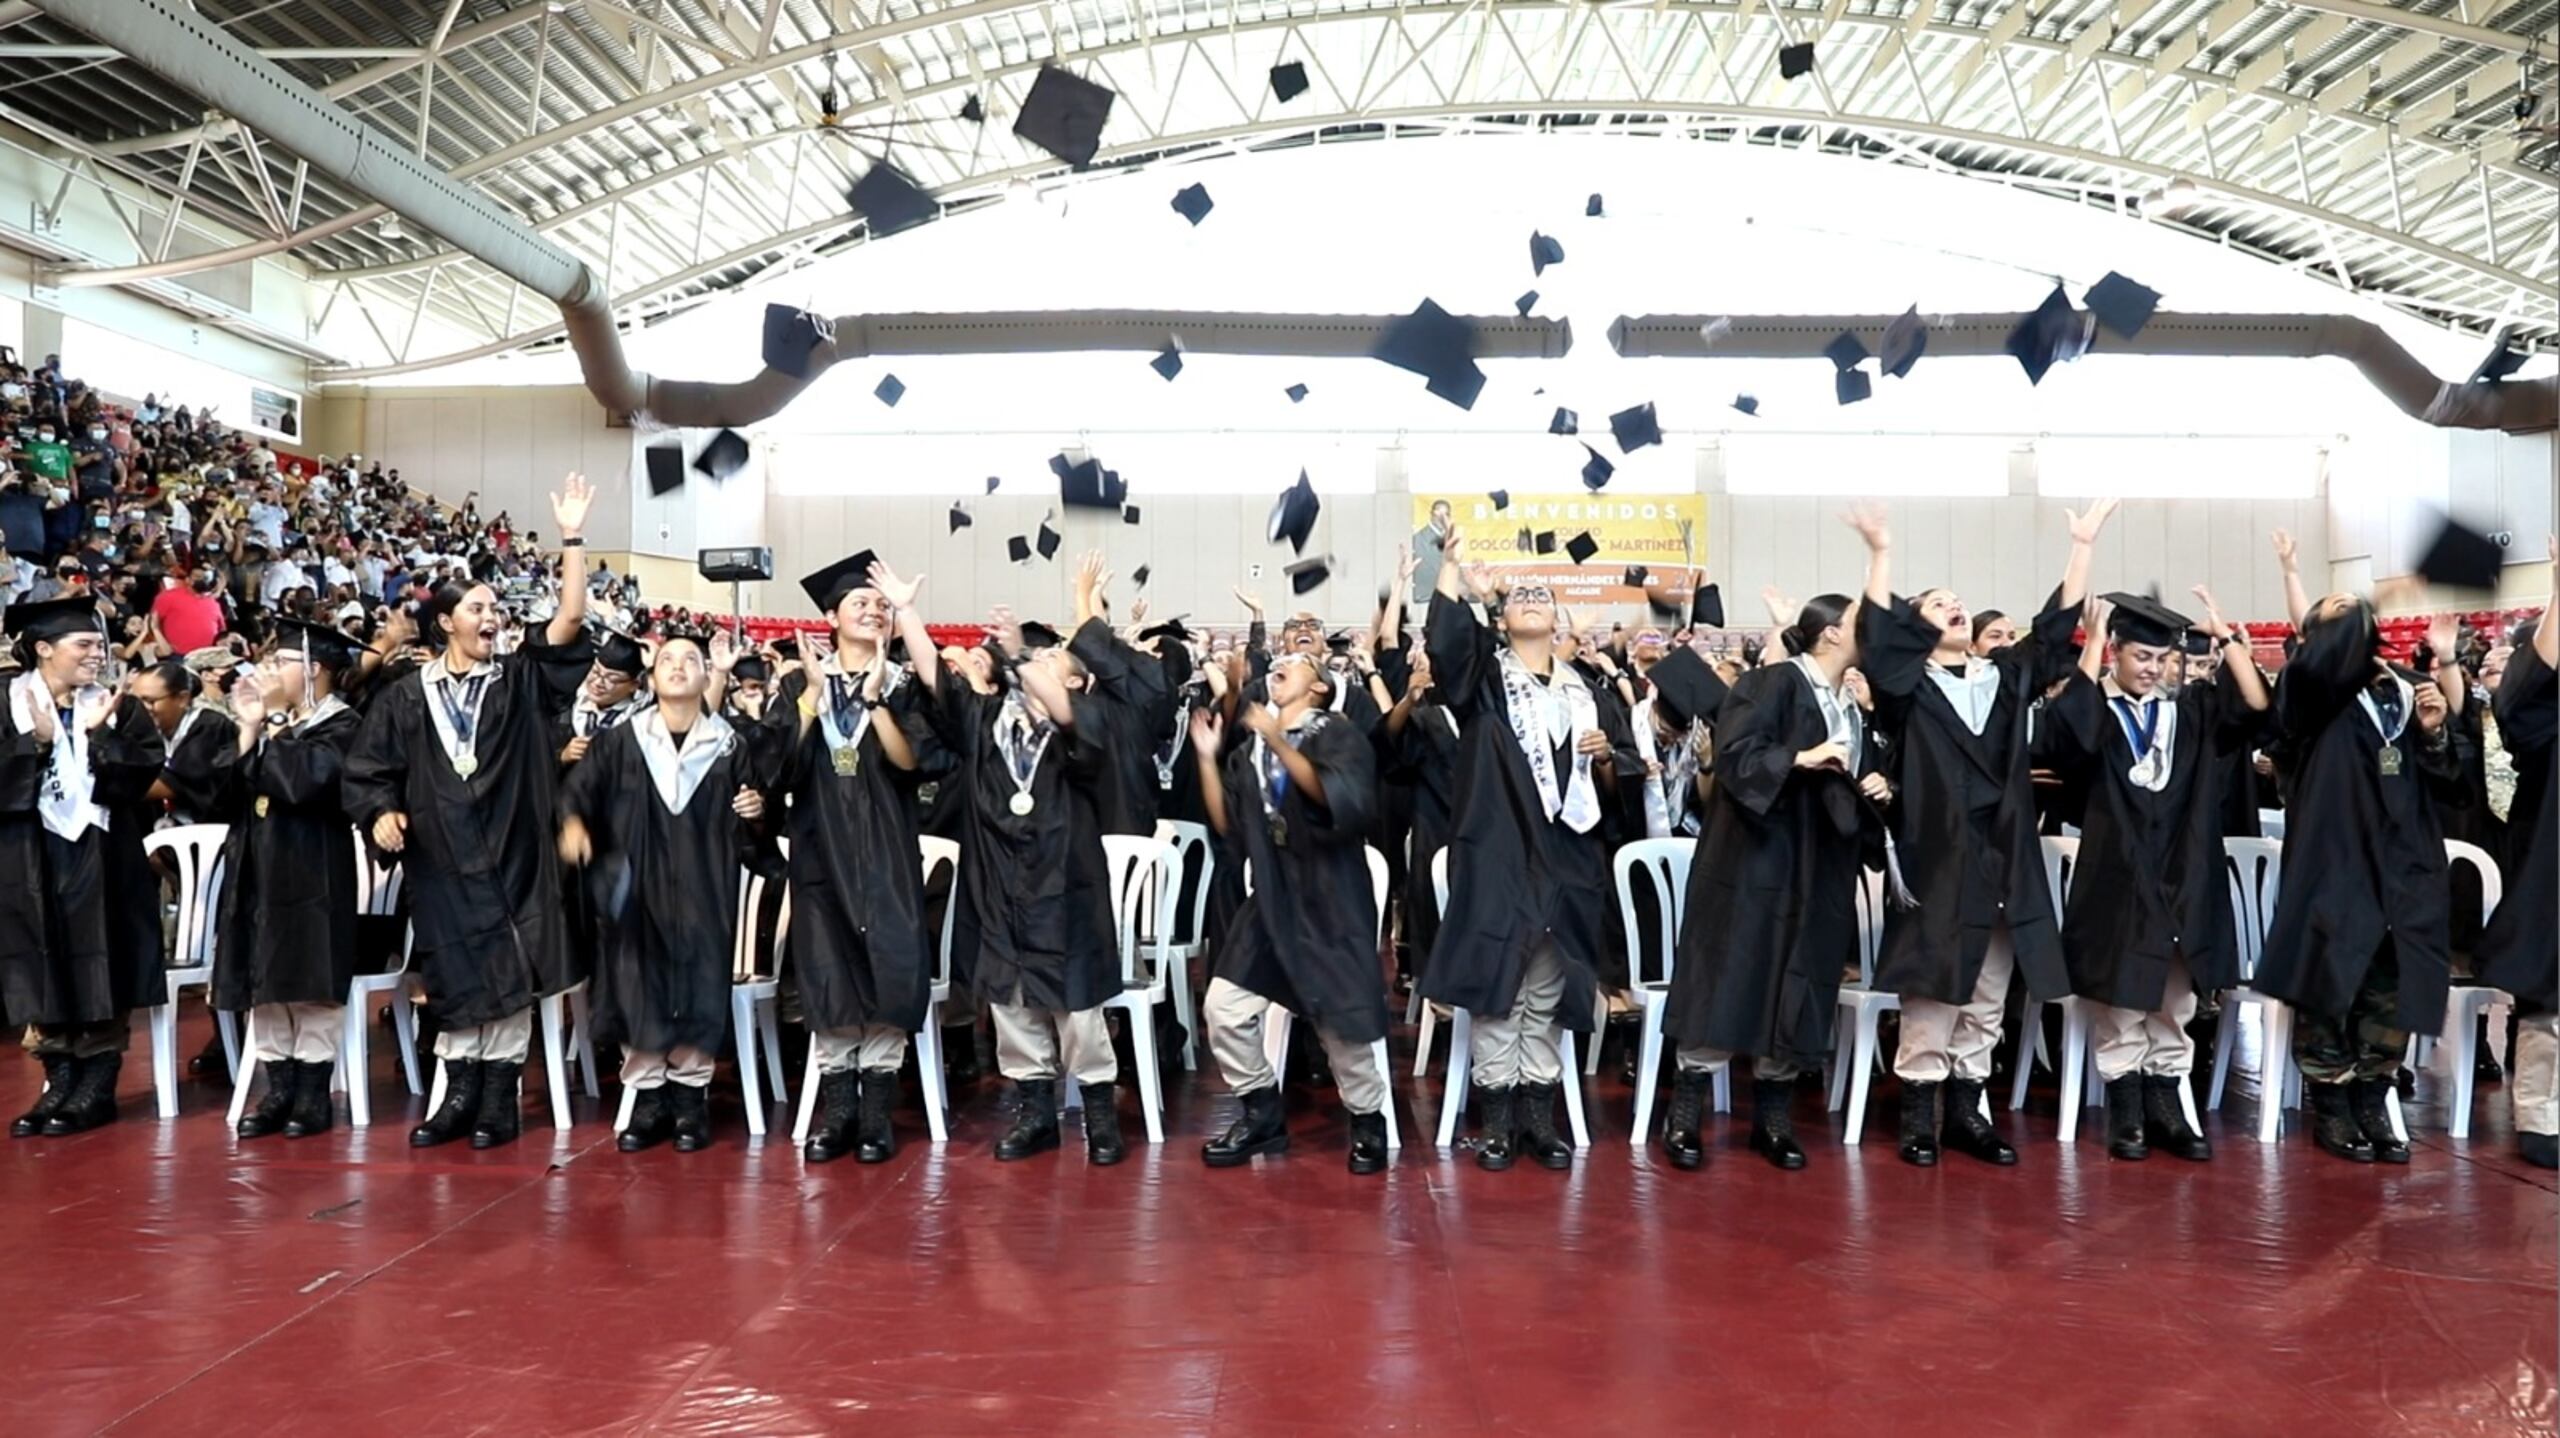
{"x": 513, "y": 447}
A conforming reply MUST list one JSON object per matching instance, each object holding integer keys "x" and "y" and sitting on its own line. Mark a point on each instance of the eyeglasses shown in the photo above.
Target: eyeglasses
{"x": 1531, "y": 594}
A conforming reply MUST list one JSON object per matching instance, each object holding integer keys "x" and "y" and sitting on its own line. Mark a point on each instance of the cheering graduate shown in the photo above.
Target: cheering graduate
{"x": 1130, "y": 684}
{"x": 1293, "y": 803}
{"x": 2147, "y": 926}
{"x": 663, "y": 812}
{"x": 286, "y": 942}
{"x": 2517, "y": 953}
{"x": 456, "y": 772}
{"x": 2360, "y": 940}
{"x": 854, "y": 742}
{"x": 1518, "y": 947}
{"x": 198, "y": 740}
{"x": 79, "y": 904}
{"x": 1970, "y": 900}
{"x": 1035, "y": 919}
{"x": 1769, "y": 913}
{"x": 1670, "y": 727}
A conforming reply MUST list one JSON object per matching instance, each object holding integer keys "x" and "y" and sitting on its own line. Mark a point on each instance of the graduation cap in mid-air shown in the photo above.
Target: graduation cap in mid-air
{"x": 1085, "y": 484}
{"x": 888, "y": 201}
{"x": 1064, "y": 115}
{"x": 1544, "y": 250}
{"x": 2124, "y": 306}
{"x": 1139, "y": 578}
{"x": 1437, "y": 345}
{"x": 1597, "y": 469}
{"x": 2505, "y": 357}
{"x": 960, "y": 519}
{"x": 1500, "y": 499}
{"x": 1564, "y": 421}
{"x": 1296, "y": 393}
{"x": 1307, "y": 574}
{"x": 2050, "y": 334}
{"x": 1288, "y": 81}
{"x": 723, "y": 456}
{"x": 1635, "y": 428}
{"x": 1905, "y": 340}
{"x": 827, "y": 587}
{"x": 666, "y": 468}
{"x": 1635, "y": 576}
{"x": 1047, "y": 541}
{"x": 1747, "y": 403}
{"x": 790, "y": 333}
{"x": 2462, "y": 557}
{"x": 1039, "y": 635}
{"x": 973, "y": 110}
{"x": 1591, "y": 207}
{"x": 1293, "y": 515}
{"x": 1128, "y": 514}
{"x": 1706, "y": 606}
{"x": 1017, "y": 549}
{"x": 1851, "y": 385}
{"x": 1543, "y": 542}
{"x": 1192, "y": 202}
{"x": 890, "y": 390}
{"x": 1685, "y": 689}
{"x": 1582, "y": 546}
{"x": 1168, "y": 361}
{"x": 1845, "y": 349}
{"x": 1528, "y": 301}
{"x": 1795, "y": 60}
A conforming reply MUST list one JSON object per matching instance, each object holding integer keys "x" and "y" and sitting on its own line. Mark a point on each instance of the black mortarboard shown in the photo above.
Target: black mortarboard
{"x": 1128, "y": 514}
{"x": 2050, "y": 334}
{"x": 723, "y": 455}
{"x": 1706, "y": 606}
{"x": 1596, "y": 470}
{"x": 1526, "y": 542}
{"x": 1306, "y": 574}
{"x": 992, "y": 482}
{"x": 890, "y": 390}
{"x": 1047, "y": 541}
{"x": 1635, "y": 576}
{"x": 1064, "y": 114}
{"x": 666, "y": 468}
{"x": 1437, "y": 345}
{"x": 1168, "y": 361}
{"x": 2505, "y": 357}
{"x": 1295, "y": 392}
{"x": 2122, "y": 305}
{"x": 1635, "y": 428}
{"x": 1288, "y": 81}
{"x": 828, "y": 587}
{"x": 1192, "y": 202}
{"x": 1544, "y": 251}
{"x": 1017, "y": 549}
{"x": 1339, "y": 641}
{"x": 1851, "y": 385}
{"x": 2141, "y": 619}
{"x": 1087, "y": 485}
{"x": 1582, "y": 546}
{"x": 888, "y": 201}
{"x": 325, "y": 646}
{"x": 1684, "y": 688}
{"x": 620, "y": 653}
{"x": 789, "y": 334}
{"x": 1293, "y": 515}
{"x": 1528, "y": 301}
{"x": 2462, "y": 558}
{"x": 1543, "y": 542}
{"x": 1795, "y": 60}
{"x": 1905, "y": 340}
{"x": 1140, "y": 577}
{"x": 1171, "y": 629}
{"x": 960, "y": 519}
{"x": 973, "y": 110}
{"x": 1591, "y": 208}
{"x": 1565, "y": 421}
{"x": 1747, "y": 403}
{"x": 1037, "y": 635}
{"x": 1500, "y": 499}
{"x": 751, "y": 669}
{"x": 1845, "y": 349}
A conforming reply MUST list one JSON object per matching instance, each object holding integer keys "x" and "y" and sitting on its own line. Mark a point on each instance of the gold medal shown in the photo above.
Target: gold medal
{"x": 1279, "y": 832}
{"x": 1020, "y": 805}
{"x": 2390, "y": 759}
{"x": 262, "y": 806}
{"x": 848, "y": 760}
{"x": 467, "y": 765}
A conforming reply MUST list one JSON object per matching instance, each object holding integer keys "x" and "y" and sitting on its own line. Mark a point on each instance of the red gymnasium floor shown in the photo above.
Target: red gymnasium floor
{"x": 161, "y": 1280}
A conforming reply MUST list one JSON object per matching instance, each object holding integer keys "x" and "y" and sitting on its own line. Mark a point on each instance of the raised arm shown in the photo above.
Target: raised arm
{"x": 2094, "y": 614}
{"x": 569, "y": 511}
{"x": 2246, "y": 681}
{"x": 1868, "y": 520}
{"x": 1206, "y": 730}
{"x": 922, "y": 656}
{"x": 2085, "y": 527}
{"x": 2546, "y": 630}
{"x": 2297, "y": 602}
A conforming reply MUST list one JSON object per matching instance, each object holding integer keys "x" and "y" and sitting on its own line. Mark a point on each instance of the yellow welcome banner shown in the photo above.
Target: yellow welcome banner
{"x": 1657, "y": 531}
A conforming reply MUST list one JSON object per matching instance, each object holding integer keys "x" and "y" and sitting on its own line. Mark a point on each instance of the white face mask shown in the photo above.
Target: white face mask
{"x": 11, "y": 389}
{"x": 97, "y": 434}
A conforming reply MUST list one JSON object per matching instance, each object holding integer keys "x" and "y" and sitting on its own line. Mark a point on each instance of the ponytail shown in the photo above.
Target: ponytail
{"x": 1819, "y": 613}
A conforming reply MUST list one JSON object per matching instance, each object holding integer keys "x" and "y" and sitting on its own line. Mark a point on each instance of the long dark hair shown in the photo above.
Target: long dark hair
{"x": 1819, "y": 613}
{"x": 442, "y": 601}
{"x": 2340, "y": 643}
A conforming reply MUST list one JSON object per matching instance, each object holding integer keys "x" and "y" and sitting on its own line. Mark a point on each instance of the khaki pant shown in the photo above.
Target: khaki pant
{"x": 79, "y": 1041}
{"x": 305, "y": 1033}
{"x": 1234, "y": 1018}
{"x": 682, "y": 1064}
{"x": 1700, "y": 1059}
{"x": 1941, "y": 1040}
{"x": 503, "y": 1041}
{"x": 2153, "y": 1043}
{"x": 1036, "y": 1043}
{"x": 1520, "y": 1046}
{"x": 871, "y": 1046}
{"x": 2536, "y": 1073}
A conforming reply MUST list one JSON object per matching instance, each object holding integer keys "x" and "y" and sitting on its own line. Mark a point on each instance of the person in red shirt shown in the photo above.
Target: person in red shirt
{"x": 189, "y": 615}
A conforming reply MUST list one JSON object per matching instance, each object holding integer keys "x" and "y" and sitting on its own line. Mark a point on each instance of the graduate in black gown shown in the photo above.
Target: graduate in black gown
{"x": 855, "y": 741}
{"x": 1418, "y": 752}
{"x": 2359, "y": 945}
{"x": 612, "y": 692}
{"x": 662, "y": 813}
{"x": 456, "y": 772}
{"x": 1293, "y": 801}
{"x": 1770, "y": 907}
{"x": 286, "y": 942}
{"x": 1971, "y": 903}
{"x": 79, "y": 904}
{"x": 1131, "y": 685}
{"x": 1035, "y": 922}
{"x": 198, "y": 739}
{"x": 2518, "y": 951}
{"x": 2147, "y": 925}
{"x": 1529, "y": 888}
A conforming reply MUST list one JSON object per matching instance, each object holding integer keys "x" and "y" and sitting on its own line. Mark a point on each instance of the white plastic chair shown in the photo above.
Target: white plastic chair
{"x": 936, "y": 853}
{"x": 2257, "y": 879}
{"x": 1453, "y": 1091}
{"x": 555, "y": 1015}
{"x": 1144, "y": 872}
{"x": 1664, "y": 863}
{"x": 377, "y": 896}
{"x": 2271, "y": 823}
{"x": 2076, "y": 1073}
{"x": 1198, "y": 864}
{"x": 1853, "y": 1055}
{"x": 2465, "y": 1003}
{"x": 195, "y": 852}
{"x": 1276, "y": 1020}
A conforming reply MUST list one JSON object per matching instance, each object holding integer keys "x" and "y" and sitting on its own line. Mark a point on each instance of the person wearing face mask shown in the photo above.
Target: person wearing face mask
{"x": 79, "y": 903}
{"x": 1519, "y": 943}
{"x": 49, "y": 456}
{"x": 190, "y": 613}
{"x": 456, "y": 772}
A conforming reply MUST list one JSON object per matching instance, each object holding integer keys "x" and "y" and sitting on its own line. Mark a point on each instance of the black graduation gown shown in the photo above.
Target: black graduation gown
{"x": 2244, "y": 791}
{"x": 2364, "y": 857}
{"x": 482, "y": 859}
{"x": 197, "y": 769}
{"x": 1515, "y": 876}
{"x": 2151, "y": 880}
{"x": 1131, "y": 686}
{"x": 1307, "y": 937}
{"x": 79, "y": 919}
{"x": 1424, "y": 759}
{"x": 2519, "y": 951}
{"x": 577, "y": 904}
{"x": 288, "y": 919}
{"x": 861, "y": 950}
{"x": 1771, "y": 901}
{"x": 664, "y": 953}
{"x": 1035, "y": 926}
{"x": 2472, "y": 821}
{"x": 1964, "y": 814}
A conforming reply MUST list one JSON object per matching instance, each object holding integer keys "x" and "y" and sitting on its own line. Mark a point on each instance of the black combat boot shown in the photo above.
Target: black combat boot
{"x": 463, "y": 1080}
{"x": 2125, "y": 1138}
{"x": 2542, "y": 1150}
{"x": 1496, "y": 1133}
{"x": 58, "y": 1072}
{"x": 1680, "y": 1139}
{"x": 313, "y": 1110}
{"x": 1102, "y": 1145}
{"x": 649, "y": 1124}
{"x": 1368, "y": 1143}
{"x": 1261, "y": 1128}
{"x": 93, "y": 1096}
{"x": 875, "y": 1141}
{"x": 689, "y": 1116}
{"x": 276, "y": 1104}
{"x": 2333, "y": 1122}
{"x": 1538, "y": 1137}
{"x": 1920, "y": 1124}
{"x": 1966, "y": 1131}
{"x": 839, "y": 1116}
{"x": 1773, "y": 1127}
{"x": 501, "y": 1116}
{"x": 2165, "y": 1119}
{"x": 1035, "y": 1120}
{"x": 2371, "y": 1100}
